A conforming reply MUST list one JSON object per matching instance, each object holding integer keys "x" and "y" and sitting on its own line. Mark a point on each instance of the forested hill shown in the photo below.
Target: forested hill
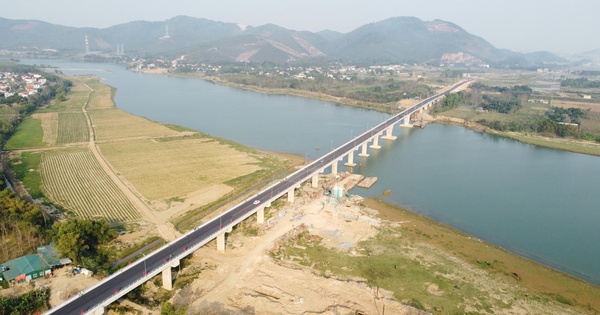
{"x": 395, "y": 40}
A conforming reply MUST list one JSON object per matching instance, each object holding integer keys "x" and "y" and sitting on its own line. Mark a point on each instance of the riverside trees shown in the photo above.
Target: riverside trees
{"x": 80, "y": 240}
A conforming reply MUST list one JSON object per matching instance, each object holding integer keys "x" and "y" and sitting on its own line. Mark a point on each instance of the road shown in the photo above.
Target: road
{"x": 129, "y": 277}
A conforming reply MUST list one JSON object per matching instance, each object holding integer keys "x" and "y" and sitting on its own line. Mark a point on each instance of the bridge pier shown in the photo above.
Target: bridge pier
{"x": 315, "y": 181}
{"x": 388, "y": 133}
{"x": 350, "y": 162}
{"x": 364, "y": 153}
{"x": 260, "y": 214}
{"x": 167, "y": 275}
{"x": 334, "y": 166}
{"x": 406, "y": 122}
{"x": 375, "y": 144}
{"x": 290, "y": 195}
{"x": 221, "y": 239}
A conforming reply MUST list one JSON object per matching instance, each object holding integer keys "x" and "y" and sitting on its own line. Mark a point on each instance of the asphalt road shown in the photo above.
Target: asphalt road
{"x": 121, "y": 281}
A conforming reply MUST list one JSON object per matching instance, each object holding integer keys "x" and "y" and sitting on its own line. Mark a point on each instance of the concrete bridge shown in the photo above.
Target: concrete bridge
{"x": 94, "y": 299}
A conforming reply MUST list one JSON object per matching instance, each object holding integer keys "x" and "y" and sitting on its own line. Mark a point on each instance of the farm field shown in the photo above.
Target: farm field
{"x": 29, "y": 134}
{"x": 72, "y": 128}
{"x": 75, "y": 180}
{"x": 111, "y": 124}
{"x": 134, "y": 165}
{"x": 103, "y": 94}
{"x": 162, "y": 169}
{"x": 49, "y": 123}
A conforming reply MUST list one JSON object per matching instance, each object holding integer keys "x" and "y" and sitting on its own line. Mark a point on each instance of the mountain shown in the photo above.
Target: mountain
{"x": 395, "y": 40}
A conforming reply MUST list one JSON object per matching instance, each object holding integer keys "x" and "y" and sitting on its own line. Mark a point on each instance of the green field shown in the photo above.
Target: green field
{"x": 26, "y": 168}
{"x": 29, "y": 134}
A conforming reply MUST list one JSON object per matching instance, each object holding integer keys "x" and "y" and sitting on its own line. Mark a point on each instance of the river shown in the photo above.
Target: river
{"x": 541, "y": 203}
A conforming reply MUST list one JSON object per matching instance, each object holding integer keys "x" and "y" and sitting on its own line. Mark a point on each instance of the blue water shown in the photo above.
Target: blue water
{"x": 541, "y": 203}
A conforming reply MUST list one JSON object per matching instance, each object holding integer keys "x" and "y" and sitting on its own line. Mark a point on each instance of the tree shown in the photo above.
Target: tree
{"x": 79, "y": 239}
{"x": 168, "y": 309}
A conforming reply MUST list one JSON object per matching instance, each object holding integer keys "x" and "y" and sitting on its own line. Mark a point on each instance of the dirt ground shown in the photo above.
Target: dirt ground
{"x": 246, "y": 279}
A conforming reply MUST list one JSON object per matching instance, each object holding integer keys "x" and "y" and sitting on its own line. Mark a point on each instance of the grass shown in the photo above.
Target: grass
{"x": 29, "y": 134}
{"x": 554, "y": 143}
{"x": 539, "y": 282}
{"x": 27, "y": 169}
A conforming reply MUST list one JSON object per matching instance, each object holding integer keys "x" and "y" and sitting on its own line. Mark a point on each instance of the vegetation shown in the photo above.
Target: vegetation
{"x": 559, "y": 114}
{"x": 28, "y": 134}
{"x": 17, "y": 107}
{"x": 438, "y": 269}
{"x": 451, "y": 101}
{"x": 72, "y": 128}
{"x": 499, "y": 105}
{"x": 81, "y": 240}
{"x": 582, "y": 83}
{"x": 28, "y": 303}
{"x": 365, "y": 89}
{"x": 23, "y": 226}
{"x": 75, "y": 180}
{"x": 502, "y": 109}
{"x": 26, "y": 168}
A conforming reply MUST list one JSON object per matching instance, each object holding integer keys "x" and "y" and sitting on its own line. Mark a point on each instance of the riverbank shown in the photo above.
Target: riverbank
{"x": 572, "y": 145}
{"x": 352, "y": 256}
{"x": 537, "y": 279}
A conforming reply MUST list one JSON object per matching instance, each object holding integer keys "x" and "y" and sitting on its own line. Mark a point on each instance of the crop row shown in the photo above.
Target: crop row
{"x": 72, "y": 128}
{"x": 76, "y": 181}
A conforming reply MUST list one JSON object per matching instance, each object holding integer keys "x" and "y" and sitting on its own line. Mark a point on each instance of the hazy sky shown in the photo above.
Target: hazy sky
{"x": 560, "y": 26}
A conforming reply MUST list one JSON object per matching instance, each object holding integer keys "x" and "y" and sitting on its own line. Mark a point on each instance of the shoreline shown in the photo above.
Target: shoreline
{"x": 511, "y": 266}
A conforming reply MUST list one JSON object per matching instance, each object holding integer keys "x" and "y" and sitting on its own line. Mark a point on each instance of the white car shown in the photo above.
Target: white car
{"x": 256, "y": 202}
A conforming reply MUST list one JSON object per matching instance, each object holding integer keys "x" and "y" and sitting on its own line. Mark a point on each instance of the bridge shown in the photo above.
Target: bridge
{"x": 93, "y": 300}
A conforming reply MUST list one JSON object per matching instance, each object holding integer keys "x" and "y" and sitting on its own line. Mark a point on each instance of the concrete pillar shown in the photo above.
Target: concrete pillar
{"x": 98, "y": 310}
{"x": 364, "y": 153}
{"x": 375, "y": 145}
{"x": 260, "y": 215}
{"x": 221, "y": 242}
{"x": 350, "y": 162}
{"x": 334, "y": 166}
{"x": 290, "y": 194}
{"x": 315, "y": 180}
{"x": 388, "y": 133}
{"x": 167, "y": 279}
{"x": 406, "y": 122}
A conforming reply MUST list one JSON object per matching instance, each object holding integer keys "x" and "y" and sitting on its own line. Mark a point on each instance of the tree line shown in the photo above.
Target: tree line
{"x": 582, "y": 83}
{"x": 555, "y": 121}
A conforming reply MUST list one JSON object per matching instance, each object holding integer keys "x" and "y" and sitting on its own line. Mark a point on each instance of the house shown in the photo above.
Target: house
{"x": 25, "y": 268}
{"x": 33, "y": 266}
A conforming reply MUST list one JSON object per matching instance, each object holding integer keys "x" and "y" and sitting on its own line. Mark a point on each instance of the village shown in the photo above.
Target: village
{"x": 23, "y": 85}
